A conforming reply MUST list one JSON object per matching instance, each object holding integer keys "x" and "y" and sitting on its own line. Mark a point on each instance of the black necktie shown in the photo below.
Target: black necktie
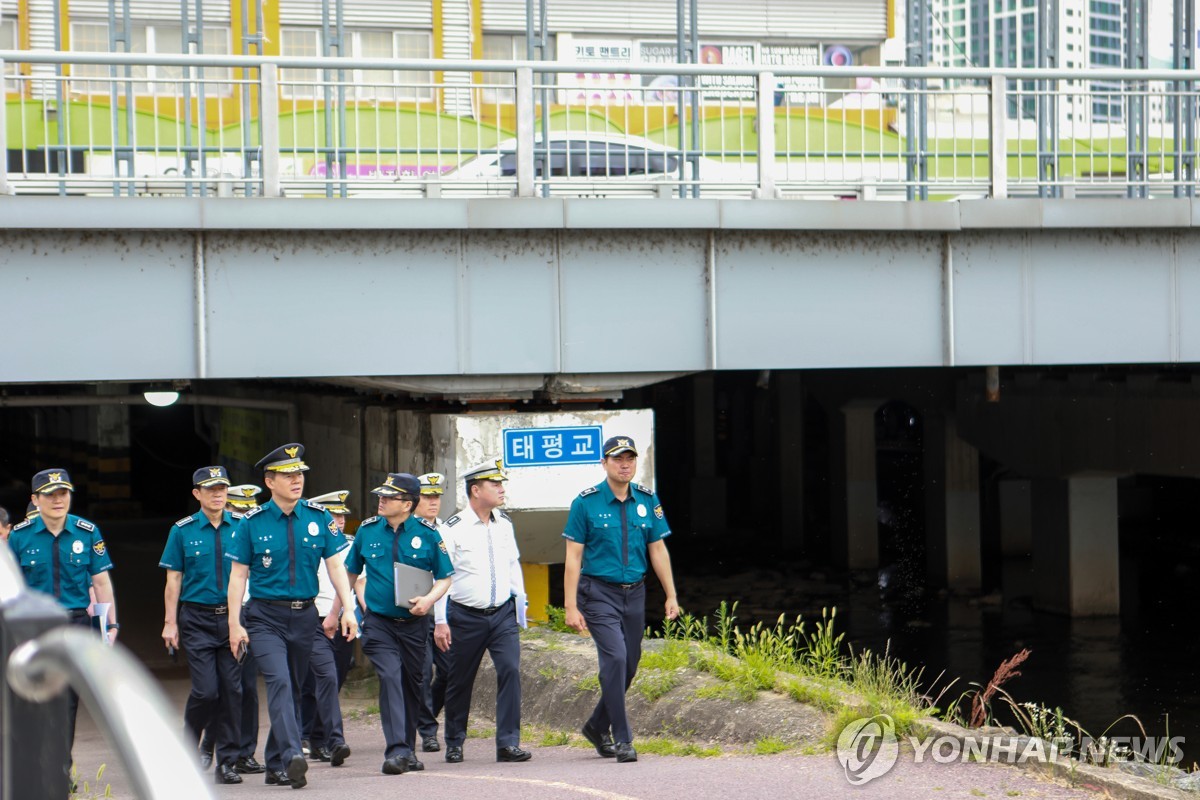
{"x": 220, "y": 560}
{"x": 291, "y": 550}
{"x": 396, "y": 545}
{"x": 57, "y": 567}
{"x": 624, "y": 535}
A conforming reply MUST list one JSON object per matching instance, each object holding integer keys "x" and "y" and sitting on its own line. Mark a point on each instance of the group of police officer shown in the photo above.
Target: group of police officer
{"x": 268, "y": 589}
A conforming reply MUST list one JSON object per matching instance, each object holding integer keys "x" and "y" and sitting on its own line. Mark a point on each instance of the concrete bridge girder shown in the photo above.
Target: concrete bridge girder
{"x": 197, "y": 288}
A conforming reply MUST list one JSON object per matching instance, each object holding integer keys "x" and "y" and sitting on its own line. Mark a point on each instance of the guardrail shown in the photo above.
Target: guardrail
{"x": 46, "y": 656}
{"x": 91, "y": 123}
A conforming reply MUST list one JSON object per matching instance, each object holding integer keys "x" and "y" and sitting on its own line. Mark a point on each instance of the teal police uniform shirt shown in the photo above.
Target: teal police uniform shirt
{"x": 261, "y": 540}
{"x": 415, "y": 543}
{"x": 61, "y": 566}
{"x": 197, "y": 549}
{"x": 615, "y": 535}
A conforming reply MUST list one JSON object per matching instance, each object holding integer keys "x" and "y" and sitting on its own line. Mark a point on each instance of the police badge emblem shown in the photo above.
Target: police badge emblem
{"x": 266, "y": 561}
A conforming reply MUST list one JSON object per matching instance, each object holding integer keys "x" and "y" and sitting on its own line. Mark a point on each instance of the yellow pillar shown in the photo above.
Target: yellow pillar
{"x": 537, "y": 589}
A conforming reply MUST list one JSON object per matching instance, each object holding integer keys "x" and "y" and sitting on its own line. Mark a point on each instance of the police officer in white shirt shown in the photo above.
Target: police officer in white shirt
{"x": 437, "y": 663}
{"x": 482, "y": 611}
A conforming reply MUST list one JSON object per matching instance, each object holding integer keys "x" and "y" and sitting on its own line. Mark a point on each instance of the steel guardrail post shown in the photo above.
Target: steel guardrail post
{"x": 998, "y": 138}
{"x": 766, "y": 135}
{"x": 4, "y": 187}
{"x": 268, "y": 123}
{"x": 33, "y": 742}
{"x": 525, "y": 143}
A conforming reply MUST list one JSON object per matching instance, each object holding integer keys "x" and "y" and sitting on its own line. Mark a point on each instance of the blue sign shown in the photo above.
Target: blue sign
{"x": 551, "y": 447}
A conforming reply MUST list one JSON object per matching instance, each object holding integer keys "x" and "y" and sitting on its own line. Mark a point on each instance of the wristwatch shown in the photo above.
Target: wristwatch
{"x": 114, "y": 626}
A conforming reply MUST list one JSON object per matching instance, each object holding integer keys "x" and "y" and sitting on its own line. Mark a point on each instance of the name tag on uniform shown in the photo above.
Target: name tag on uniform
{"x": 410, "y": 582}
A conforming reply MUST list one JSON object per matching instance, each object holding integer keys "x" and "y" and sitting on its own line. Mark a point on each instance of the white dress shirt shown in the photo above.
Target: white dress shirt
{"x": 325, "y": 591}
{"x": 486, "y": 561}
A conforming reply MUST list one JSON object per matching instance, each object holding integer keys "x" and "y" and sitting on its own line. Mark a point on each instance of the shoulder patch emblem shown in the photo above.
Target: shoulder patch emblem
{"x": 658, "y": 512}
{"x": 589, "y": 490}
{"x": 83, "y": 523}
{"x": 98, "y": 548}
{"x": 24, "y": 524}
{"x": 442, "y": 547}
{"x": 450, "y": 523}
{"x": 184, "y": 521}
{"x": 252, "y": 512}
{"x": 333, "y": 528}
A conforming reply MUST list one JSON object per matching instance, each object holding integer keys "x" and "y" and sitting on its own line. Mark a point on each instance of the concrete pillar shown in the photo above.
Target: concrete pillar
{"x": 862, "y": 496}
{"x": 789, "y": 416}
{"x": 708, "y": 501}
{"x": 1016, "y": 518}
{"x": 1075, "y": 553}
{"x": 953, "y": 542}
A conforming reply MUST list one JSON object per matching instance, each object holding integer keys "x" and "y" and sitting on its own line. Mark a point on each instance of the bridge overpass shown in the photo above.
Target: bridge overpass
{"x": 776, "y": 331}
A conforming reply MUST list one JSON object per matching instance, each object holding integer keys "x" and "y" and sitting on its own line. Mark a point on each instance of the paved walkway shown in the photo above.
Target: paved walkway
{"x": 573, "y": 772}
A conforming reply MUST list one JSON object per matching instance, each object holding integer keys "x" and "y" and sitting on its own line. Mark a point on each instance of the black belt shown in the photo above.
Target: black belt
{"x": 625, "y": 586}
{"x": 397, "y": 620}
{"x": 221, "y": 609}
{"x": 294, "y": 605}
{"x": 486, "y": 612}
{"x": 77, "y": 613}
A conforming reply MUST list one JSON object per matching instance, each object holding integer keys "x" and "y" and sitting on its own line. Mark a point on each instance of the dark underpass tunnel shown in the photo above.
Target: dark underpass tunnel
{"x": 899, "y": 469}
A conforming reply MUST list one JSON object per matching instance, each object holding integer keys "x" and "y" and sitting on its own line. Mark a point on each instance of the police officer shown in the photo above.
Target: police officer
{"x": 62, "y": 555}
{"x": 482, "y": 612}
{"x": 395, "y": 637}
{"x": 612, "y": 529}
{"x": 197, "y": 613}
{"x": 320, "y": 711}
{"x": 278, "y": 546}
{"x": 433, "y": 684}
{"x": 241, "y": 499}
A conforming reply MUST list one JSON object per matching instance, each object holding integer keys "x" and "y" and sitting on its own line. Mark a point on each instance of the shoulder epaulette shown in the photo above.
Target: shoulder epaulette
{"x": 427, "y": 523}
{"x": 184, "y": 521}
{"x": 589, "y": 490}
{"x": 368, "y": 521}
{"x": 317, "y": 506}
{"x": 644, "y": 488}
{"x": 83, "y": 523}
{"x": 252, "y": 512}
{"x": 504, "y": 514}
{"x": 236, "y": 514}
{"x": 24, "y": 524}
{"x": 450, "y": 523}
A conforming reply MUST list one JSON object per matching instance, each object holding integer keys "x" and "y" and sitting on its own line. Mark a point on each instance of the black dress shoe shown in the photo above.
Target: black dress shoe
{"x": 206, "y": 760}
{"x": 295, "y": 771}
{"x": 453, "y": 754}
{"x": 226, "y": 774}
{"x": 413, "y": 764}
{"x": 339, "y": 754}
{"x": 277, "y": 779}
{"x": 625, "y": 753}
{"x": 396, "y": 765}
{"x": 320, "y": 754}
{"x": 248, "y": 766}
{"x": 603, "y": 742}
{"x": 512, "y": 753}
{"x": 430, "y": 744}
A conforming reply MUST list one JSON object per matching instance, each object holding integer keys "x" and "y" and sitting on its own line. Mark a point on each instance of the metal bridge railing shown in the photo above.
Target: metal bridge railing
{"x": 119, "y": 124}
{"x": 44, "y": 655}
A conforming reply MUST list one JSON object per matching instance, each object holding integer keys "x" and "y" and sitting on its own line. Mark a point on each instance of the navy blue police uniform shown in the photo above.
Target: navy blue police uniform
{"x": 282, "y": 552}
{"x": 612, "y": 588}
{"x": 437, "y": 663}
{"x": 61, "y": 566}
{"x": 196, "y": 548}
{"x": 393, "y": 638}
{"x": 482, "y": 616}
